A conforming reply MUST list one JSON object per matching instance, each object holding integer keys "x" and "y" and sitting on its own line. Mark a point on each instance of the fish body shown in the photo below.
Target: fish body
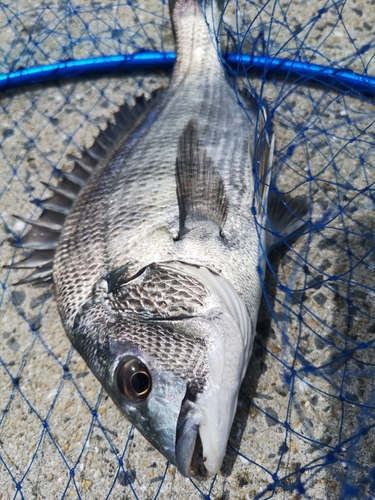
{"x": 158, "y": 265}
{"x": 130, "y": 207}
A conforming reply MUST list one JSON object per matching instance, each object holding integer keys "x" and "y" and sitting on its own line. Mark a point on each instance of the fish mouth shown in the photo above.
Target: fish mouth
{"x": 188, "y": 442}
{"x": 202, "y": 431}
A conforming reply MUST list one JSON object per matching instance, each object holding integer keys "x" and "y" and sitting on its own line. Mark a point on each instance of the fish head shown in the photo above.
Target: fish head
{"x": 170, "y": 345}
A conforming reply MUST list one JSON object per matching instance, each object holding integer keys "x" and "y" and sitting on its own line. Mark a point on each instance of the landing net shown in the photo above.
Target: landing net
{"x": 306, "y": 417}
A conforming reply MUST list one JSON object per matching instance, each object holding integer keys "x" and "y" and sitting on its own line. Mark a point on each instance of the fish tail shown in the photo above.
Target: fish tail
{"x": 195, "y": 25}
{"x": 204, "y": 3}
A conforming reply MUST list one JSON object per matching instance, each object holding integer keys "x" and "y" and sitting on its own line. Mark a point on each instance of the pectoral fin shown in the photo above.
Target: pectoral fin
{"x": 200, "y": 187}
{"x": 285, "y": 218}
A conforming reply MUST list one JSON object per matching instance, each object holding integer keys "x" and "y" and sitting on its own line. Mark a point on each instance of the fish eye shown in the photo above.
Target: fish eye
{"x": 133, "y": 380}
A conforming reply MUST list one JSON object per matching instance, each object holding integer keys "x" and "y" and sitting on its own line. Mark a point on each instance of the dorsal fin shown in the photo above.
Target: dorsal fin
{"x": 200, "y": 187}
{"x": 43, "y": 237}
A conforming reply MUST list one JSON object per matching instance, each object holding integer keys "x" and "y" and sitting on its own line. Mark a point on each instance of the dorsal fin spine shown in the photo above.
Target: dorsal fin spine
{"x": 94, "y": 154}
{"x": 52, "y": 204}
{"x": 38, "y": 258}
{"x": 79, "y": 178}
{"x": 81, "y": 163}
{"x": 41, "y": 224}
{"x": 61, "y": 191}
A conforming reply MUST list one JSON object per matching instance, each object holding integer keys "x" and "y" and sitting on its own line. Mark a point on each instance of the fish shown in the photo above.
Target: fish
{"x": 155, "y": 244}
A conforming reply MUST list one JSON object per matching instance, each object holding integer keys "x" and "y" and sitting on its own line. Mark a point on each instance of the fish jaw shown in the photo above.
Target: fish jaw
{"x": 229, "y": 338}
{"x": 211, "y": 415}
{"x": 210, "y": 418}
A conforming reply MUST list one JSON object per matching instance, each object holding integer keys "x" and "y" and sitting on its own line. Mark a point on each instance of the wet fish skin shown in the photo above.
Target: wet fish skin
{"x": 128, "y": 215}
{"x": 157, "y": 268}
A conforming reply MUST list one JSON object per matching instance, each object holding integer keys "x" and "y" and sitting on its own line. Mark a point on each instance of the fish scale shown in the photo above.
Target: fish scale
{"x": 181, "y": 352}
{"x": 161, "y": 294}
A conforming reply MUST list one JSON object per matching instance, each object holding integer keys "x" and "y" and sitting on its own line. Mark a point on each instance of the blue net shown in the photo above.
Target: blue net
{"x": 305, "y": 422}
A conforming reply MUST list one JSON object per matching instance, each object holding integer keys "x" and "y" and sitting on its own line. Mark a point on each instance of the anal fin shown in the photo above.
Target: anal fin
{"x": 200, "y": 188}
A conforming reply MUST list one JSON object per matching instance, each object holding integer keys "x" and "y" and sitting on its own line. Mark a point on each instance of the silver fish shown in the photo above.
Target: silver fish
{"x": 154, "y": 244}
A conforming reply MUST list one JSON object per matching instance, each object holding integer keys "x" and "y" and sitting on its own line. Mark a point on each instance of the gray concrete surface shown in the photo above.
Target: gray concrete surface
{"x": 321, "y": 292}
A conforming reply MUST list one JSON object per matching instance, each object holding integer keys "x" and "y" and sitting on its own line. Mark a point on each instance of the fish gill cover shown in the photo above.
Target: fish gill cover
{"x": 305, "y": 422}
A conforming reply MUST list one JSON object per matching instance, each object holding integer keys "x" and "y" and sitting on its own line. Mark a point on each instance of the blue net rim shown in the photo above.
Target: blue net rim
{"x": 337, "y": 78}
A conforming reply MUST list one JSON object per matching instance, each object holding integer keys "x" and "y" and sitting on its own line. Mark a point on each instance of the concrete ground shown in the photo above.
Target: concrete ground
{"x": 303, "y": 428}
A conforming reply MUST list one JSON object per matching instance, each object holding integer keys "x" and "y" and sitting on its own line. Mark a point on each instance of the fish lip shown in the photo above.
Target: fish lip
{"x": 186, "y": 437}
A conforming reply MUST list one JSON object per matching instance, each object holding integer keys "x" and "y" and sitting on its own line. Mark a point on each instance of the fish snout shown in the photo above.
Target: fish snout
{"x": 203, "y": 427}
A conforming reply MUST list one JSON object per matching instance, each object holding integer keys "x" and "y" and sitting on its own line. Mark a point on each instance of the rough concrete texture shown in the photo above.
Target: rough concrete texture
{"x": 303, "y": 425}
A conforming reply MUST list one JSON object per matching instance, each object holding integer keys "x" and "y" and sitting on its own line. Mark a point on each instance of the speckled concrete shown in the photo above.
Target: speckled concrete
{"x": 311, "y": 377}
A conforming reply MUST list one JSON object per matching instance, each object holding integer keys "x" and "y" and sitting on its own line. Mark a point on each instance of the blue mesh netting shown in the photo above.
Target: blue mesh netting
{"x": 306, "y": 417}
